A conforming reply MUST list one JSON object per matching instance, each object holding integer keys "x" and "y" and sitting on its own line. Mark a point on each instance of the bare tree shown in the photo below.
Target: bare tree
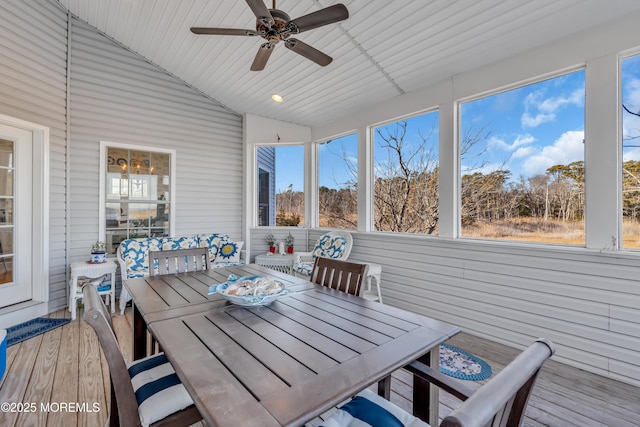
{"x": 406, "y": 183}
{"x": 338, "y": 206}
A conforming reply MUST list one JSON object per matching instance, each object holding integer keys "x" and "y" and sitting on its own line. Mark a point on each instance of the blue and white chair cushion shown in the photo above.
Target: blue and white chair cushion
{"x": 367, "y": 409}
{"x": 304, "y": 268}
{"x": 158, "y": 389}
{"x": 330, "y": 246}
{"x": 135, "y": 253}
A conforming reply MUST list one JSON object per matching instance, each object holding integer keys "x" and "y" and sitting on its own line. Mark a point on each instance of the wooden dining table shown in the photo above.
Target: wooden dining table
{"x": 285, "y": 363}
{"x": 159, "y": 297}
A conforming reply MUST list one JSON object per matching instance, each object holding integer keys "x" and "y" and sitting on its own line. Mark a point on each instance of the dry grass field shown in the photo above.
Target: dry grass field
{"x": 529, "y": 230}
{"x": 534, "y": 230}
{"x": 540, "y": 231}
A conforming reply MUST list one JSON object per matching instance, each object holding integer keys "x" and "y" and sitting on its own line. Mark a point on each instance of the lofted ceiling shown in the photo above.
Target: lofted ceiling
{"x": 384, "y": 49}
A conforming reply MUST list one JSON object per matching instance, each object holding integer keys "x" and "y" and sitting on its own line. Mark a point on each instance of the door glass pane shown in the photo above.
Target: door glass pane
{"x": 6, "y": 241}
{"x": 6, "y": 270}
{"x": 6, "y": 211}
{"x": 6, "y": 182}
{"x": 6, "y": 153}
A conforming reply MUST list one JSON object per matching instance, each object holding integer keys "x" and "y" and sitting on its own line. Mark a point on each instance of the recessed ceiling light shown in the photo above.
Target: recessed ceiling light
{"x": 277, "y": 97}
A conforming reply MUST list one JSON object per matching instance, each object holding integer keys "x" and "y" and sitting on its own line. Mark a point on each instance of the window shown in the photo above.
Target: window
{"x": 138, "y": 194}
{"x": 522, "y": 163}
{"x": 264, "y": 192}
{"x": 280, "y": 171}
{"x": 405, "y": 192}
{"x": 631, "y": 152}
{"x": 337, "y": 182}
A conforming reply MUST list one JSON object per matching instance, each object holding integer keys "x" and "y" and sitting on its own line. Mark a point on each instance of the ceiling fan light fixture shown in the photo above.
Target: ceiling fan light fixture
{"x": 275, "y": 25}
{"x": 277, "y": 98}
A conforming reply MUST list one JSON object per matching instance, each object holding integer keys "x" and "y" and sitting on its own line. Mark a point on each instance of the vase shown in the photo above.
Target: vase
{"x": 98, "y": 257}
{"x": 272, "y": 249}
{"x": 290, "y": 250}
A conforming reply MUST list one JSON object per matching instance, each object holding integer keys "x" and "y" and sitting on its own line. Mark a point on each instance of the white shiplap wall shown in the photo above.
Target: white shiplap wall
{"x": 585, "y": 301}
{"x": 116, "y": 96}
{"x": 33, "y": 62}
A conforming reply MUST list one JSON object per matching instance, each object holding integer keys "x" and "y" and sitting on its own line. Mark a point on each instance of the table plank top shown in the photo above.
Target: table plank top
{"x": 159, "y": 296}
{"x": 288, "y": 362}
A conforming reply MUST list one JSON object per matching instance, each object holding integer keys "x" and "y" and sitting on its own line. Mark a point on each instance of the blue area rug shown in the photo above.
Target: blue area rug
{"x": 462, "y": 365}
{"x": 31, "y": 328}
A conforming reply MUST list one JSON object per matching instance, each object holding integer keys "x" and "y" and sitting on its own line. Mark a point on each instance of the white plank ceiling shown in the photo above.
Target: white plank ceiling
{"x": 384, "y": 49}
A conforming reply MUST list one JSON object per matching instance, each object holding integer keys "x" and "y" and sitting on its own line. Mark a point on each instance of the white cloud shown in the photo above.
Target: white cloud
{"x": 566, "y": 149}
{"x": 518, "y": 142}
{"x": 485, "y": 169}
{"x": 523, "y": 152}
{"x": 529, "y": 121}
{"x": 539, "y": 110}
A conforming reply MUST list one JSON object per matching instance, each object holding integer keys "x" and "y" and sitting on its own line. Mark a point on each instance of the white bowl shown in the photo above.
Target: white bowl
{"x": 248, "y": 300}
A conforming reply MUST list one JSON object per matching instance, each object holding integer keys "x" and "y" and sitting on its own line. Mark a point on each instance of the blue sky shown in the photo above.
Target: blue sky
{"x": 529, "y": 129}
{"x": 289, "y": 167}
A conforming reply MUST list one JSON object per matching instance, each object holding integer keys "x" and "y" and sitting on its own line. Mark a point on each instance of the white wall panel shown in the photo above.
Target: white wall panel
{"x": 117, "y": 96}
{"x": 33, "y": 62}
{"x": 587, "y": 302}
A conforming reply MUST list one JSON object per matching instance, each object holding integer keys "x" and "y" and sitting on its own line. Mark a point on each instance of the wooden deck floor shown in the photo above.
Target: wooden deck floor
{"x": 66, "y": 366}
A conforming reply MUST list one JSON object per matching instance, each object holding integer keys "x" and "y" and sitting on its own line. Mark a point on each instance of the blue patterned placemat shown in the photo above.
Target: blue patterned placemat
{"x": 462, "y": 365}
{"x": 31, "y": 328}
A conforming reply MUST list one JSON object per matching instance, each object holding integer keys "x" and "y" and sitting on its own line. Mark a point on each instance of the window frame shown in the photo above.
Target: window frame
{"x": 172, "y": 202}
{"x": 621, "y": 229}
{"x": 316, "y": 165}
{"x": 459, "y": 134}
{"x": 371, "y": 131}
{"x": 257, "y": 165}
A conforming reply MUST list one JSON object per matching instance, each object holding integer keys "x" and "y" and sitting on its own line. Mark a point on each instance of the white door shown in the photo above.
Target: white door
{"x": 16, "y": 164}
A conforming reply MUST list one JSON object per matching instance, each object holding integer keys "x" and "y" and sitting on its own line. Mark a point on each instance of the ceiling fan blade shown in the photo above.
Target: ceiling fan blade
{"x": 308, "y": 52}
{"x": 261, "y": 12}
{"x": 260, "y": 61}
{"x": 328, "y": 15}
{"x": 223, "y": 31}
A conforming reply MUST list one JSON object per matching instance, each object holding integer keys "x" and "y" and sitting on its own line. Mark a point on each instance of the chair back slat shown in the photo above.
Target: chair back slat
{"x": 178, "y": 261}
{"x": 341, "y": 275}
{"x": 124, "y": 406}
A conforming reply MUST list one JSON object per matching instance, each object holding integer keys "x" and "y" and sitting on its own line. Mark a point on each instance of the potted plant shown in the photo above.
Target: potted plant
{"x": 271, "y": 241}
{"x": 98, "y": 253}
{"x": 289, "y": 243}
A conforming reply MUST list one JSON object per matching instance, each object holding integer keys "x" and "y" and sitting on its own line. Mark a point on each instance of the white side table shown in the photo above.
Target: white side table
{"x": 281, "y": 263}
{"x": 91, "y": 271}
{"x": 374, "y": 272}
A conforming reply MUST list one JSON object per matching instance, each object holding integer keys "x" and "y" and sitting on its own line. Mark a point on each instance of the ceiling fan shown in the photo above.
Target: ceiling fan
{"x": 275, "y": 25}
